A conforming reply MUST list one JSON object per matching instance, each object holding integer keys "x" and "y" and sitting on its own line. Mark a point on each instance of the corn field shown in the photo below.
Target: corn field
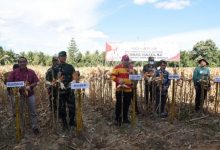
{"x": 102, "y": 89}
{"x": 100, "y": 97}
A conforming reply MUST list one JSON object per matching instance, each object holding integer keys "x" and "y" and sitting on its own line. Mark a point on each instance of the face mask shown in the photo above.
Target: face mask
{"x": 151, "y": 62}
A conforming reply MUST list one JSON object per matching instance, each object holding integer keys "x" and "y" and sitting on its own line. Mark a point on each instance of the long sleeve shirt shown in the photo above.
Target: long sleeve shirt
{"x": 66, "y": 70}
{"x": 148, "y": 67}
{"x": 199, "y": 73}
{"x": 166, "y": 80}
{"x": 26, "y": 75}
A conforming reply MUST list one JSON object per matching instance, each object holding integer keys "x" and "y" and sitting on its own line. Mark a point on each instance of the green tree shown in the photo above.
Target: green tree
{"x": 95, "y": 58}
{"x": 72, "y": 52}
{"x": 6, "y": 57}
{"x": 48, "y": 60}
{"x": 206, "y": 49}
{"x": 39, "y": 58}
{"x": 11, "y": 56}
{"x": 186, "y": 59}
{"x": 22, "y": 54}
{"x": 87, "y": 59}
{"x": 78, "y": 59}
{"x": 102, "y": 58}
{"x": 42, "y": 59}
{"x": 30, "y": 57}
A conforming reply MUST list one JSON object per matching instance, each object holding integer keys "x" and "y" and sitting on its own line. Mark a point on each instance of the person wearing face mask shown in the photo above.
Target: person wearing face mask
{"x": 200, "y": 74}
{"x": 162, "y": 90}
{"x": 148, "y": 70}
{"x": 120, "y": 75}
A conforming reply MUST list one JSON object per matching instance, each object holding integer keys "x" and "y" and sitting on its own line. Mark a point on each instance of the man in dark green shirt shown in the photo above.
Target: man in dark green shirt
{"x": 66, "y": 95}
{"x": 201, "y": 77}
{"x": 51, "y": 85}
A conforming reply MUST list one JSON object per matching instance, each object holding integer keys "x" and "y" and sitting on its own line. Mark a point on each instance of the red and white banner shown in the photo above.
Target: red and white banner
{"x": 139, "y": 51}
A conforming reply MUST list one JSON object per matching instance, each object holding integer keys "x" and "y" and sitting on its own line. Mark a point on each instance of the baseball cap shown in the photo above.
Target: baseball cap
{"x": 125, "y": 58}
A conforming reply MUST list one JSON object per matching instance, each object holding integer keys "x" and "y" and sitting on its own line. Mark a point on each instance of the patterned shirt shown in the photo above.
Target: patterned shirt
{"x": 120, "y": 72}
{"x": 26, "y": 75}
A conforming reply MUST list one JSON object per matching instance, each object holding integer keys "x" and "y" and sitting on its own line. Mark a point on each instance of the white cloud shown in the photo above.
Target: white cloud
{"x": 92, "y": 34}
{"x": 173, "y": 4}
{"x": 165, "y": 4}
{"x": 186, "y": 40}
{"x": 48, "y": 24}
{"x": 142, "y": 2}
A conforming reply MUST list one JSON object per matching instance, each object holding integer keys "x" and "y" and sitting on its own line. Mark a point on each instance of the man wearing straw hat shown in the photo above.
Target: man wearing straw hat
{"x": 201, "y": 82}
{"x": 120, "y": 75}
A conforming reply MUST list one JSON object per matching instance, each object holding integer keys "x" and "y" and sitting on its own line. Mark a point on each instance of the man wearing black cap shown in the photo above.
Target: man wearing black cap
{"x": 201, "y": 77}
{"x": 51, "y": 84}
{"x": 66, "y": 95}
{"x": 149, "y": 70}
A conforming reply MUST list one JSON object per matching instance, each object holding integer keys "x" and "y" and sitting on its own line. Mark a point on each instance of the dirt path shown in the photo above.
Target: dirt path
{"x": 100, "y": 132}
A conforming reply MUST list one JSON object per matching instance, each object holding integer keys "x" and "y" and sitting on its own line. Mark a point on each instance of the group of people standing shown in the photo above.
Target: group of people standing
{"x": 60, "y": 75}
{"x": 125, "y": 87}
{"x": 157, "y": 83}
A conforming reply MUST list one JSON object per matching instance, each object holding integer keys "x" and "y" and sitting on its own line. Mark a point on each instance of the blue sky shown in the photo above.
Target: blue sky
{"x": 145, "y": 21}
{"x": 48, "y": 25}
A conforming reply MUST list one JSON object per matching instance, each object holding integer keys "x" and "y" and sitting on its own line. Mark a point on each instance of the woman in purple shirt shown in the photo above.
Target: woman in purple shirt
{"x": 26, "y": 93}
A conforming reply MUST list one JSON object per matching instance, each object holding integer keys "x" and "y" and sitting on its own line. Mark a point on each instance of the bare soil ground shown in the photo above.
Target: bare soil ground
{"x": 100, "y": 132}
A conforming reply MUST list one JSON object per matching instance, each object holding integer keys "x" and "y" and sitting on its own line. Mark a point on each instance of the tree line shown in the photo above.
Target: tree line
{"x": 188, "y": 58}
